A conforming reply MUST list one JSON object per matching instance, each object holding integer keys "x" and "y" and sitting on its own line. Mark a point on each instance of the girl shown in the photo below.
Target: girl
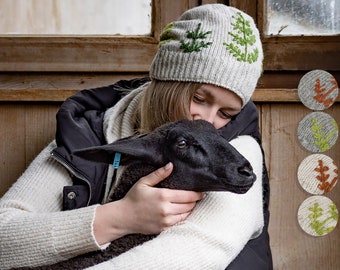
{"x": 207, "y": 67}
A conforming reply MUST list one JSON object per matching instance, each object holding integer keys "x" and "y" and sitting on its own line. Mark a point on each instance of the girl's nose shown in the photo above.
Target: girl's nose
{"x": 207, "y": 115}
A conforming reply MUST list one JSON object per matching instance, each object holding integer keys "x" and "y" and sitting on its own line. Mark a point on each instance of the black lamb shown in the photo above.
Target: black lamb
{"x": 203, "y": 161}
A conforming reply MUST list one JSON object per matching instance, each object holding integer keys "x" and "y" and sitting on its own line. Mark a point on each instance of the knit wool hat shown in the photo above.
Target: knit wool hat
{"x": 213, "y": 44}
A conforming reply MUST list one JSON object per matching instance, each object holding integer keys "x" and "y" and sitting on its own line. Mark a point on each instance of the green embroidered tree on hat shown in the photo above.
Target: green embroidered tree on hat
{"x": 195, "y": 45}
{"x": 243, "y": 38}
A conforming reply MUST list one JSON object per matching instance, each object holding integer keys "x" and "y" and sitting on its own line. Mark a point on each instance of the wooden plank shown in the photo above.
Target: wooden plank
{"x": 285, "y": 54}
{"x": 40, "y": 126}
{"x": 292, "y": 248}
{"x": 76, "y": 54}
{"x": 53, "y": 87}
{"x": 205, "y": 2}
{"x": 61, "y": 81}
{"x": 247, "y": 6}
{"x": 27, "y": 128}
{"x": 56, "y": 87}
{"x": 42, "y": 95}
{"x": 276, "y": 95}
{"x": 265, "y": 128}
{"x": 171, "y": 10}
{"x": 12, "y": 144}
{"x": 35, "y": 95}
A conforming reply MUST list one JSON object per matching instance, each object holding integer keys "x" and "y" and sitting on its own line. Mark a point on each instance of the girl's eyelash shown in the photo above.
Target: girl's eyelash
{"x": 198, "y": 99}
{"x": 224, "y": 114}
{"x": 231, "y": 117}
{"x": 227, "y": 115}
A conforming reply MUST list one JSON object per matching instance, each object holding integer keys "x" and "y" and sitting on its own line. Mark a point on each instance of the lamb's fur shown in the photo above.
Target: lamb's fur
{"x": 203, "y": 161}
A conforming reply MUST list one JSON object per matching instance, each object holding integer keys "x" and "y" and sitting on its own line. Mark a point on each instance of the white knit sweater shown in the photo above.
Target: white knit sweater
{"x": 34, "y": 231}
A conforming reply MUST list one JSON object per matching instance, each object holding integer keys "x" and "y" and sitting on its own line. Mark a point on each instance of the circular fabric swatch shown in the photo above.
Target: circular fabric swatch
{"x": 318, "y": 215}
{"x": 317, "y": 132}
{"x": 318, "y": 90}
{"x": 318, "y": 174}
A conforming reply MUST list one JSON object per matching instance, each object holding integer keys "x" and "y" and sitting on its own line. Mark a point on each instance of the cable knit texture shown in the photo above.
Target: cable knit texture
{"x": 34, "y": 231}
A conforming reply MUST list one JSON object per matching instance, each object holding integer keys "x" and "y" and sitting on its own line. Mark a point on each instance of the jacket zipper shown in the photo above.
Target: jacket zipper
{"x": 72, "y": 170}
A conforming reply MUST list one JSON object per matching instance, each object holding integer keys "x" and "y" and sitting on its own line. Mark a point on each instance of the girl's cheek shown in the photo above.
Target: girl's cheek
{"x": 194, "y": 108}
{"x": 221, "y": 123}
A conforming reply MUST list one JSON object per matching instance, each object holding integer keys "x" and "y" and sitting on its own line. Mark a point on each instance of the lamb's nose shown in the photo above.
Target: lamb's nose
{"x": 246, "y": 170}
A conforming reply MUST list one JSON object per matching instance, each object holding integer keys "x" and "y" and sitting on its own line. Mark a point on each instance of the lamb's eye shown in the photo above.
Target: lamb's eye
{"x": 182, "y": 143}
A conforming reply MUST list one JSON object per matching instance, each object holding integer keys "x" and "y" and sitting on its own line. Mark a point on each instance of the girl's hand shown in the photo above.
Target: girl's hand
{"x": 151, "y": 209}
{"x": 145, "y": 209}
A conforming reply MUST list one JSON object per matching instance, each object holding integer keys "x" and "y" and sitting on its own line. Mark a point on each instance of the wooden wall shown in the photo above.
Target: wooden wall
{"x": 292, "y": 248}
{"x": 28, "y": 104}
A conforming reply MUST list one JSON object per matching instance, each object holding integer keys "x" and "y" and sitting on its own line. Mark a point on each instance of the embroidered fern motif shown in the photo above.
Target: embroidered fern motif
{"x": 317, "y": 212}
{"x": 243, "y": 38}
{"x": 321, "y": 139}
{"x": 195, "y": 45}
{"x": 321, "y": 93}
{"x": 165, "y": 36}
{"x": 323, "y": 177}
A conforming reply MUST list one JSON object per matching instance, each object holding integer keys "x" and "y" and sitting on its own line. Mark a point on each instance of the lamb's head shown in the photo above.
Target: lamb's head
{"x": 203, "y": 160}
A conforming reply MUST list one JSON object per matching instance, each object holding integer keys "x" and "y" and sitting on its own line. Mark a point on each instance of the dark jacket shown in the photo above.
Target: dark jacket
{"x": 80, "y": 125}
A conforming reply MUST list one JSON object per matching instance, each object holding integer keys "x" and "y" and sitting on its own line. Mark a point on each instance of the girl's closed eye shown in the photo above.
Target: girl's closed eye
{"x": 198, "y": 99}
{"x": 223, "y": 114}
{"x": 226, "y": 115}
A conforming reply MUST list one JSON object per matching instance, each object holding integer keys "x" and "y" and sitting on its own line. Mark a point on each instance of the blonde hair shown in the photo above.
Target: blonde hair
{"x": 165, "y": 101}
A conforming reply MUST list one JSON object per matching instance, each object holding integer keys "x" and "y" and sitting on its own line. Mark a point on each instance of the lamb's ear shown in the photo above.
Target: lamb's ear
{"x": 131, "y": 150}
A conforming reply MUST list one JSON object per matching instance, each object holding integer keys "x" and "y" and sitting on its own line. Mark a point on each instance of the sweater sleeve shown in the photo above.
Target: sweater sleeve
{"x": 33, "y": 229}
{"x": 212, "y": 236}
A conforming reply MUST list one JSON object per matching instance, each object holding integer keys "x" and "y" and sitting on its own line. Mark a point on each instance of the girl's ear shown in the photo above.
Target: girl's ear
{"x": 132, "y": 149}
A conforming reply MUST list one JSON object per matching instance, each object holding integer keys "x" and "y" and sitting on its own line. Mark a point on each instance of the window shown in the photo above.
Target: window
{"x": 306, "y": 17}
{"x": 88, "y": 53}
{"x": 285, "y": 45}
{"x": 75, "y": 17}
{"x": 124, "y": 53}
